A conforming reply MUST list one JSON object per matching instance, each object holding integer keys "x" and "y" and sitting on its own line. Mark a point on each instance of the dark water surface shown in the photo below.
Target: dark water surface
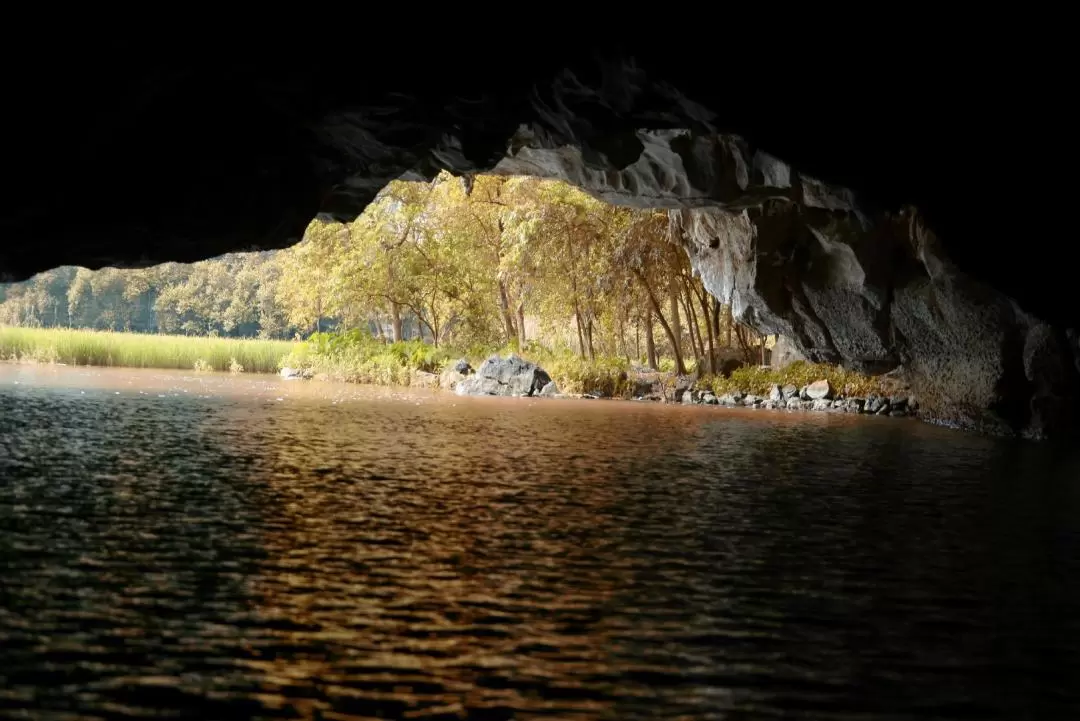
{"x": 211, "y": 548}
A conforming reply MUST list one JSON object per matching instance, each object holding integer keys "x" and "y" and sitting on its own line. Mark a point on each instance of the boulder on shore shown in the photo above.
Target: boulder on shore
{"x": 510, "y": 376}
{"x": 819, "y": 390}
{"x": 295, "y": 373}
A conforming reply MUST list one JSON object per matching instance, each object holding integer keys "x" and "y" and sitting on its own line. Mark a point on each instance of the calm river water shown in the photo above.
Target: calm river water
{"x": 209, "y": 547}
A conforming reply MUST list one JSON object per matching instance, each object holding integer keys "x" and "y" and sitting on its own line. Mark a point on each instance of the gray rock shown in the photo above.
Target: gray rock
{"x": 462, "y": 366}
{"x": 709, "y": 398}
{"x": 290, "y": 374}
{"x": 898, "y": 414}
{"x": 688, "y": 396}
{"x": 789, "y": 391}
{"x": 477, "y": 385}
{"x": 775, "y": 394}
{"x": 751, "y": 400}
{"x": 729, "y": 399}
{"x": 550, "y": 390}
{"x": 510, "y": 376}
{"x": 821, "y": 404}
{"x": 898, "y": 403}
{"x": 819, "y": 390}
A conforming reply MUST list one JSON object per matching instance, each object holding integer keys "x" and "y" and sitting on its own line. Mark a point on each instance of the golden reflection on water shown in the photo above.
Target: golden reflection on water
{"x": 251, "y": 547}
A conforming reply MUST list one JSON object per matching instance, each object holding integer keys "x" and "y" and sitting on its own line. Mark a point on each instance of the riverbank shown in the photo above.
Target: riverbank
{"x": 832, "y": 389}
{"x": 358, "y": 359}
{"x": 136, "y": 350}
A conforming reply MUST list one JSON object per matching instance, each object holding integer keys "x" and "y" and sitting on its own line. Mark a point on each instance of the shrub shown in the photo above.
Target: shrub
{"x": 357, "y": 357}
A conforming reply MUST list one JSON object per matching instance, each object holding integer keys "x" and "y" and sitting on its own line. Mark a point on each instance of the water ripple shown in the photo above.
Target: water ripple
{"x": 371, "y": 555}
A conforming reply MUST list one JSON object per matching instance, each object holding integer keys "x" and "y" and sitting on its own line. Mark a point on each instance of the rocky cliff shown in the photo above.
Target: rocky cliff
{"x": 794, "y": 196}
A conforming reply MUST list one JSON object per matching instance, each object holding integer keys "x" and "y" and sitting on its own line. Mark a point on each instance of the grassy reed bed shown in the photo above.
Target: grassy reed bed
{"x": 138, "y": 350}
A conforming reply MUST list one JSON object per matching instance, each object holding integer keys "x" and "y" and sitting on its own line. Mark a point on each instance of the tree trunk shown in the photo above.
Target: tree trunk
{"x": 637, "y": 337}
{"x": 705, "y": 312}
{"x": 714, "y": 317}
{"x": 675, "y": 334}
{"x": 504, "y": 309}
{"x": 699, "y": 338}
{"x": 729, "y": 321}
{"x": 691, "y": 323}
{"x": 620, "y": 318}
{"x": 395, "y": 321}
{"x": 589, "y": 336}
{"x": 521, "y": 324}
{"x": 650, "y": 342}
{"x": 580, "y": 335}
{"x": 680, "y": 366}
{"x": 742, "y": 334}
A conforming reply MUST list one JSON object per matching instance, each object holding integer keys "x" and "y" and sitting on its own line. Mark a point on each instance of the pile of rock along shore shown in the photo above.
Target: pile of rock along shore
{"x": 817, "y": 396}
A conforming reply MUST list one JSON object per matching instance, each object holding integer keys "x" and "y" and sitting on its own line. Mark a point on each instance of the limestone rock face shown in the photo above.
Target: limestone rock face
{"x": 878, "y": 293}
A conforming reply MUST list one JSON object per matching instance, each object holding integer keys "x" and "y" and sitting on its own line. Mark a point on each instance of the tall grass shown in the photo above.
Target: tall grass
{"x": 137, "y": 350}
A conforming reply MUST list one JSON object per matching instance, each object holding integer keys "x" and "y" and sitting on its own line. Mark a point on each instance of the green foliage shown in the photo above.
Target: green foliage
{"x": 106, "y": 348}
{"x": 358, "y": 357}
{"x": 759, "y": 380}
{"x": 606, "y": 375}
